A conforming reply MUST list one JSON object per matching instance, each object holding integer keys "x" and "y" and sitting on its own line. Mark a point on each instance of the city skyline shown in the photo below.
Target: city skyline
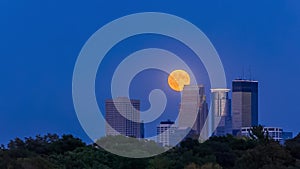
{"x": 193, "y": 114}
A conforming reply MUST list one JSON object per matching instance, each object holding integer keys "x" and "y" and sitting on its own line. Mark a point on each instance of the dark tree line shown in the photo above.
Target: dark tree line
{"x": 228, "y": 152}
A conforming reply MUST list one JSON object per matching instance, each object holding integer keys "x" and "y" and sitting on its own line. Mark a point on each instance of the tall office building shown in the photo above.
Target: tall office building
{"x": 122, "y": 117}
{"x": 193, "y": 108}
{"x": 244, "y": 104}
{"x": 165, "y": 132}
{"x": 221, "y": 112}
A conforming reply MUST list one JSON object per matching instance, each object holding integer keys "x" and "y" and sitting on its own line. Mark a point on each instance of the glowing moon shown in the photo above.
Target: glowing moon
{"x": 177, "y": 79}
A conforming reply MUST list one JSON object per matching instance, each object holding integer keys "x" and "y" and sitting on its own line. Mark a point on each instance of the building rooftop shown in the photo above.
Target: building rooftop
{"x": 122, "y": 99}
{"x": 167, "y": 122}
{"x": 219, "y": 90}
{"x": 244, "y": 80}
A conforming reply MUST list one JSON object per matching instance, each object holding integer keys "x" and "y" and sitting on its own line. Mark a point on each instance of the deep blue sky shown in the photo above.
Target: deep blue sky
{"x": 40, "y": 41}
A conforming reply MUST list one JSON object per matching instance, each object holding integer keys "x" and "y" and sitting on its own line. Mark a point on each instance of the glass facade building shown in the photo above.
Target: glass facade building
{"x": 122, "y": 116}
{"x": 221, "y": 112}
{"x": 165, "y": 131}
{"x": 193, "y": 108}
{"x": 244, "y": 104}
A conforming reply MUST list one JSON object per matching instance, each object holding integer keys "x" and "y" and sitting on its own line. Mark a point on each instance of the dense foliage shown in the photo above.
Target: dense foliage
{"x": 66, "y": 152}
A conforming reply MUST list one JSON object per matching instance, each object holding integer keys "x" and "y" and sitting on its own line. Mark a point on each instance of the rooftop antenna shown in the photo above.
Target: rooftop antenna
{"x": 243, "y": 75}
{"x": 250, "y": 73}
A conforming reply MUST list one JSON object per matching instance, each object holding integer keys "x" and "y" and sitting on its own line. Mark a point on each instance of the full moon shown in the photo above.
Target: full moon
{"x": 177, "y": 79}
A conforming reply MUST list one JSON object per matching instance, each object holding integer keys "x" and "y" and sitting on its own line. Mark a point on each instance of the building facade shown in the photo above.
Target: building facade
{"x": 193, "y": 108}
{"x": 122, "y": 117}
{"x": 274, "y": 133}
{"x": 221, "y": 123}
{"x": 244, "y": 104}
{"x": 165, "y": 132}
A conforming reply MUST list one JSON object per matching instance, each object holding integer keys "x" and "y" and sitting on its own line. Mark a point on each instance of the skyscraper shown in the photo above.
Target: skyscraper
{"x": 221, "y": 112}
{"x": 165, "y": 130}
{"x": 122, "y": 117}
{"x": 193, "y": 108}
{"x": 244, "y": 104}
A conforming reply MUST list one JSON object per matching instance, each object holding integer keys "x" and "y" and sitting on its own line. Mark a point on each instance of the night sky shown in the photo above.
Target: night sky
{"x": 40, "y": 42}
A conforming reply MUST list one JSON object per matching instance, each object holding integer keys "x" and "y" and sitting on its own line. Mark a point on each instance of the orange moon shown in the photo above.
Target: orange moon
{"x": 177, "y": 79}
